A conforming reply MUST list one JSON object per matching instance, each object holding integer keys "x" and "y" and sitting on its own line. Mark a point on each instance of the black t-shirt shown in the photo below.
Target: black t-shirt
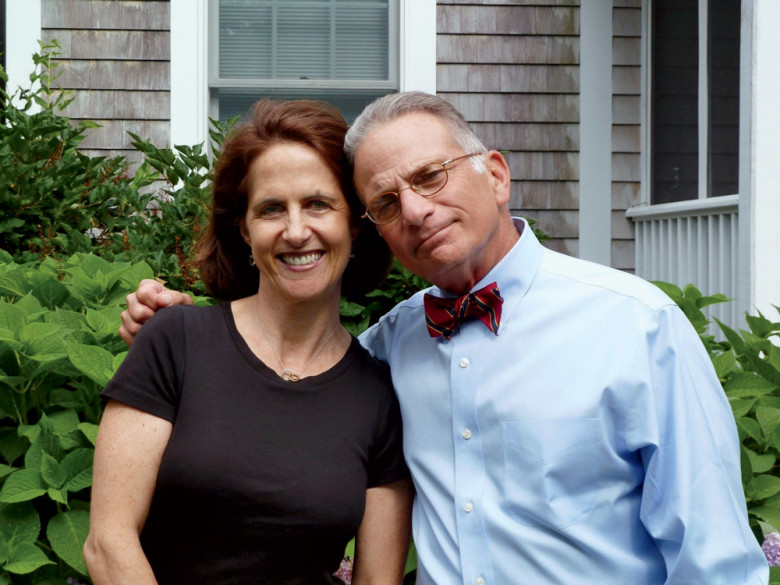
{"x": 263, "y": 481}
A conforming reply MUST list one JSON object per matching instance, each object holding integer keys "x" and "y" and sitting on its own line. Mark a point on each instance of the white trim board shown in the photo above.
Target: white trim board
{"x": 595, "y": 174}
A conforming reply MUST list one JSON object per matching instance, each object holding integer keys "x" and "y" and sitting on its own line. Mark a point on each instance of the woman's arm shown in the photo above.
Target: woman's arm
{"x": 129, "y": 449}
{"x": 382, "y": 541}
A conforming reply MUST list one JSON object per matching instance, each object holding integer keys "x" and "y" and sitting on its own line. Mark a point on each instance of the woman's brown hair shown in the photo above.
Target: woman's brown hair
{"x": 222, "y": 255}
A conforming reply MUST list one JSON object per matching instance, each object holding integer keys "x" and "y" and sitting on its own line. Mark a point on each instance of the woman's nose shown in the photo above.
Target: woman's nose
{"x": 298, "y": 229}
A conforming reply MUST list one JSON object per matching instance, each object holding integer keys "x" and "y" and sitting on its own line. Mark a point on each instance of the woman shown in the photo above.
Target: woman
{"x": 250, "y": 441}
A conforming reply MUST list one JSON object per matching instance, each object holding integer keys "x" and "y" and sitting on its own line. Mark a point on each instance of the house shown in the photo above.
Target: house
{"x": 640, "y": 133}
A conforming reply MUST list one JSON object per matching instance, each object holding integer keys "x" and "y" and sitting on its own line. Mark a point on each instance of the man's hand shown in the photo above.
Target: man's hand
{"x": 143, "y": 303}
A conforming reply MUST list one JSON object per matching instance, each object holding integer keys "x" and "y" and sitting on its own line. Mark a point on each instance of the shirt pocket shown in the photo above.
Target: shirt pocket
{"x": 551, "y": 469}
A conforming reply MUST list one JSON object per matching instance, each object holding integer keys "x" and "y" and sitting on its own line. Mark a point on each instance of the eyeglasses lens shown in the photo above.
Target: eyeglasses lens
{"x": 429, "y": 180}
{"x": 385, "y": 208}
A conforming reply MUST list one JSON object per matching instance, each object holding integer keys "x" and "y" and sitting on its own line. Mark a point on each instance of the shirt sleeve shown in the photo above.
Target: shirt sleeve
{"x": 693, "y": 503}
{"x": 149, "y": 378}
{"x": 386, "y": 459}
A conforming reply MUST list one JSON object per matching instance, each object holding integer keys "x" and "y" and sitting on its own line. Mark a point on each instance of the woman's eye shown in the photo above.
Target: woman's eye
{"x": 270, "y": 210}
{"x": 318, "y": 204}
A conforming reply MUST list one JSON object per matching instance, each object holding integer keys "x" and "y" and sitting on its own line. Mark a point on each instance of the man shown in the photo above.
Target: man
{"x": 574, "y": 431}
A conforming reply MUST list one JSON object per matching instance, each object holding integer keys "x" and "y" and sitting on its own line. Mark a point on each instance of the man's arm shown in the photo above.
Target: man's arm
{"x": 693, "y": 504}
{"x": 143, "y": 303}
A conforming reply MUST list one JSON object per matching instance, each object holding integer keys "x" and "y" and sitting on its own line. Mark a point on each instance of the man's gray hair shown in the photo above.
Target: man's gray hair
{"x": 392, "y": 106}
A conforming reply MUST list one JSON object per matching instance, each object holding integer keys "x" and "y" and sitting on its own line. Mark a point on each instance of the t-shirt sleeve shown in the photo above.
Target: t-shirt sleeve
{"x": 387, "y": 463}
{"x": 150, "y": 377}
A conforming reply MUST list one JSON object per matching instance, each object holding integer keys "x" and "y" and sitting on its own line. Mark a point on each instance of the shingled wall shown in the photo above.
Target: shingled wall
{"x": 116, "y": 57}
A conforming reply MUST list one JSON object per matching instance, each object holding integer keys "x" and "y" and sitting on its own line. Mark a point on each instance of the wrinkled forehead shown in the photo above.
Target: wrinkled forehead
{"x": 391, "y": 152}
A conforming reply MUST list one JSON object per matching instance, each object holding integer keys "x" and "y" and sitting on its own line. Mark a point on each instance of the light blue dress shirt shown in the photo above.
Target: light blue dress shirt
{"x": 588, "y": 442}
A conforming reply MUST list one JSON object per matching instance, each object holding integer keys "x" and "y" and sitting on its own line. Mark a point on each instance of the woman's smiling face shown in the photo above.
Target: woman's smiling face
{"x": 297, "y": 223}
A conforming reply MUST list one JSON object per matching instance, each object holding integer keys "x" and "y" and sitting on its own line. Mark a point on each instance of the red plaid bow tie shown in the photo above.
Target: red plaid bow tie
{"x": 443, "y": 315}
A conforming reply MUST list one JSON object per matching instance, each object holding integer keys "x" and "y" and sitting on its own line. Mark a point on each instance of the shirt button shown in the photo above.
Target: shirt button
{"x": 479, "y": 581}
{"x": 466, "y": 434}
{"x": 468, "y": 507}
{"x": 464, "y": 362}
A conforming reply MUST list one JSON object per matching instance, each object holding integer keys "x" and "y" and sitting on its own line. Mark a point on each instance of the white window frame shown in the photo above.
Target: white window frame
{"x": 22, "y": 31}
{"x": 189, "y": 61}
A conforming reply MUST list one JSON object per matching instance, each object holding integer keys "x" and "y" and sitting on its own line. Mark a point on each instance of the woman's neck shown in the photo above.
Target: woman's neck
{"x": 295, "y": 339}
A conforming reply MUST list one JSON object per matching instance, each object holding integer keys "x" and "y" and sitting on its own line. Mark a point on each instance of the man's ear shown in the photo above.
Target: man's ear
{"x": 499, "y": 176}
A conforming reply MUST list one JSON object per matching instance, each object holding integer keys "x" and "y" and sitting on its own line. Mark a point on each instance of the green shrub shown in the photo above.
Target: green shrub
{"x": 58, "y": 202}
{"x": 58, "y": 348}
{"x": 52, "y": 195}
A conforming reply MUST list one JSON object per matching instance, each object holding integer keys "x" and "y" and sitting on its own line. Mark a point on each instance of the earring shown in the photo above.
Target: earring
{"x": 252, "y": 260}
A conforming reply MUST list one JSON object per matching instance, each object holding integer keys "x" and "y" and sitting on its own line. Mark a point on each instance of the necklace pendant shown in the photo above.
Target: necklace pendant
{"x": 290, "y": 376}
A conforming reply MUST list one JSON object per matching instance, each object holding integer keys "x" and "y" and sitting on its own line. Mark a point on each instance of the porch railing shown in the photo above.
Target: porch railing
{"x": 692, "y": 242}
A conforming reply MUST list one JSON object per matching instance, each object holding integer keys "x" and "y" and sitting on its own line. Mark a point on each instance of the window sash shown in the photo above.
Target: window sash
{"x": 694, "y": 118}
{"x": 304, "y": 43}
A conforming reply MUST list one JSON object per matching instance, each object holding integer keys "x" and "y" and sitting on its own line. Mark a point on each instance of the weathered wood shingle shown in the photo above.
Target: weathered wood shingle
{"x": 115, "y": 57}
{"x": 512, "y": 69}
{"x": 626, "y": 120}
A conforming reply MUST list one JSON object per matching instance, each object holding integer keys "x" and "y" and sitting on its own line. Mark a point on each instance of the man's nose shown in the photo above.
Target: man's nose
{"x": 414, "y": 207}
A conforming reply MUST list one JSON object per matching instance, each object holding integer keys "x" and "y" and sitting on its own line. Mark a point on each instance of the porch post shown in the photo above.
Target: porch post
{"x": 595, "y": 174}
{"x": 764, "y": 213}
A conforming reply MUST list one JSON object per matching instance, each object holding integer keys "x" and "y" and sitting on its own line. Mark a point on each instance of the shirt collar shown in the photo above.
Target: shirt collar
{"x": 514, "y": 273}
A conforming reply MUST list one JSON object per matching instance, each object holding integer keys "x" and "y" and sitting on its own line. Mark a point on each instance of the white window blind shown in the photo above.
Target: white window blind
{"x": 343, "y": 51}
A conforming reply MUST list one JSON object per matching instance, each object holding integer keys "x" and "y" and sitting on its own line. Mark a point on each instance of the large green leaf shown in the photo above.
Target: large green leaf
{"x": 6, "y": 470}
{"x": 52, "y": 472}
{"x": 769, "y": 514}
{"x": 25, "y": 558}
{"x": 774, "y": 576}
{"x": 78, "y": 469}
{"x": 64, "y": 421}
{"x": 67, "y": 533}
{"x": 19, "y": 522}
{"x": 22, "y": 486}
{"x": 90, "y": 431}
{"x": 762, "y": 487}
{"x": 44, "y": 341}
{"x": 12, "y": 317}
{"x": 93, "y": 361}
{"x": 49, "y": 291}
{"x": 768, "y": 418}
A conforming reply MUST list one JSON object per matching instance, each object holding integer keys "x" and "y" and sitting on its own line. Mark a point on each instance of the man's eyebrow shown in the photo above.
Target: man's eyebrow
{"x": 407, "y": 174}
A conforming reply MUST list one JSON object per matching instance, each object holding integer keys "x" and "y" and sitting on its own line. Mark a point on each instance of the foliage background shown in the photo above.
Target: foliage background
{"x": 78, "y": 233}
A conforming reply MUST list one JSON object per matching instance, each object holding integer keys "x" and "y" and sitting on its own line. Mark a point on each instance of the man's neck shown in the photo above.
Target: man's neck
{"x": 461, "y": 280}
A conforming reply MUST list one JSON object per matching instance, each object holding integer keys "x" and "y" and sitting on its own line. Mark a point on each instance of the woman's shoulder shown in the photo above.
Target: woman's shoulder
{"x": 175, "y": 320}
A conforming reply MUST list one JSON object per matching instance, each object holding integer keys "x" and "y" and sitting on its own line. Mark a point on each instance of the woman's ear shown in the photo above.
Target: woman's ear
{"x": 245, "y": 232}
{"x": 499, "y": 176}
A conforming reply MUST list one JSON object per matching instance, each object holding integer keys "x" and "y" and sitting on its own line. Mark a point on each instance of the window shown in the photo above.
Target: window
{"x": 694, "y": 99}
{"x": 342, "y": 51}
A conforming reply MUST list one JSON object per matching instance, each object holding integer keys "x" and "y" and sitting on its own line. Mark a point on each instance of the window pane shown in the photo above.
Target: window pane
{"x": 303, "y": 43}
{"x": 245, "y": 40}
{"x": 724, "y": 22}
{"x": 675, "y": 100}
{"x": 359, "y": 55}
{"x": 303, "y": 39}
{"x": 233, "y": 102}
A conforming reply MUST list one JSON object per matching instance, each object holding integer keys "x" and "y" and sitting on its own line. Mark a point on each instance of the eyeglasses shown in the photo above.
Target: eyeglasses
{"x": 428, "y": 181}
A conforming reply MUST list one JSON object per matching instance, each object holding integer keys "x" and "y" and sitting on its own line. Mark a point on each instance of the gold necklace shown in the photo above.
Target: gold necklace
{"x": 287, "y": 374}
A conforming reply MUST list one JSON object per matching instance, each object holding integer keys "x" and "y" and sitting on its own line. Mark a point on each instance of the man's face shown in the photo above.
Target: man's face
{"x": 452, "y": 238}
